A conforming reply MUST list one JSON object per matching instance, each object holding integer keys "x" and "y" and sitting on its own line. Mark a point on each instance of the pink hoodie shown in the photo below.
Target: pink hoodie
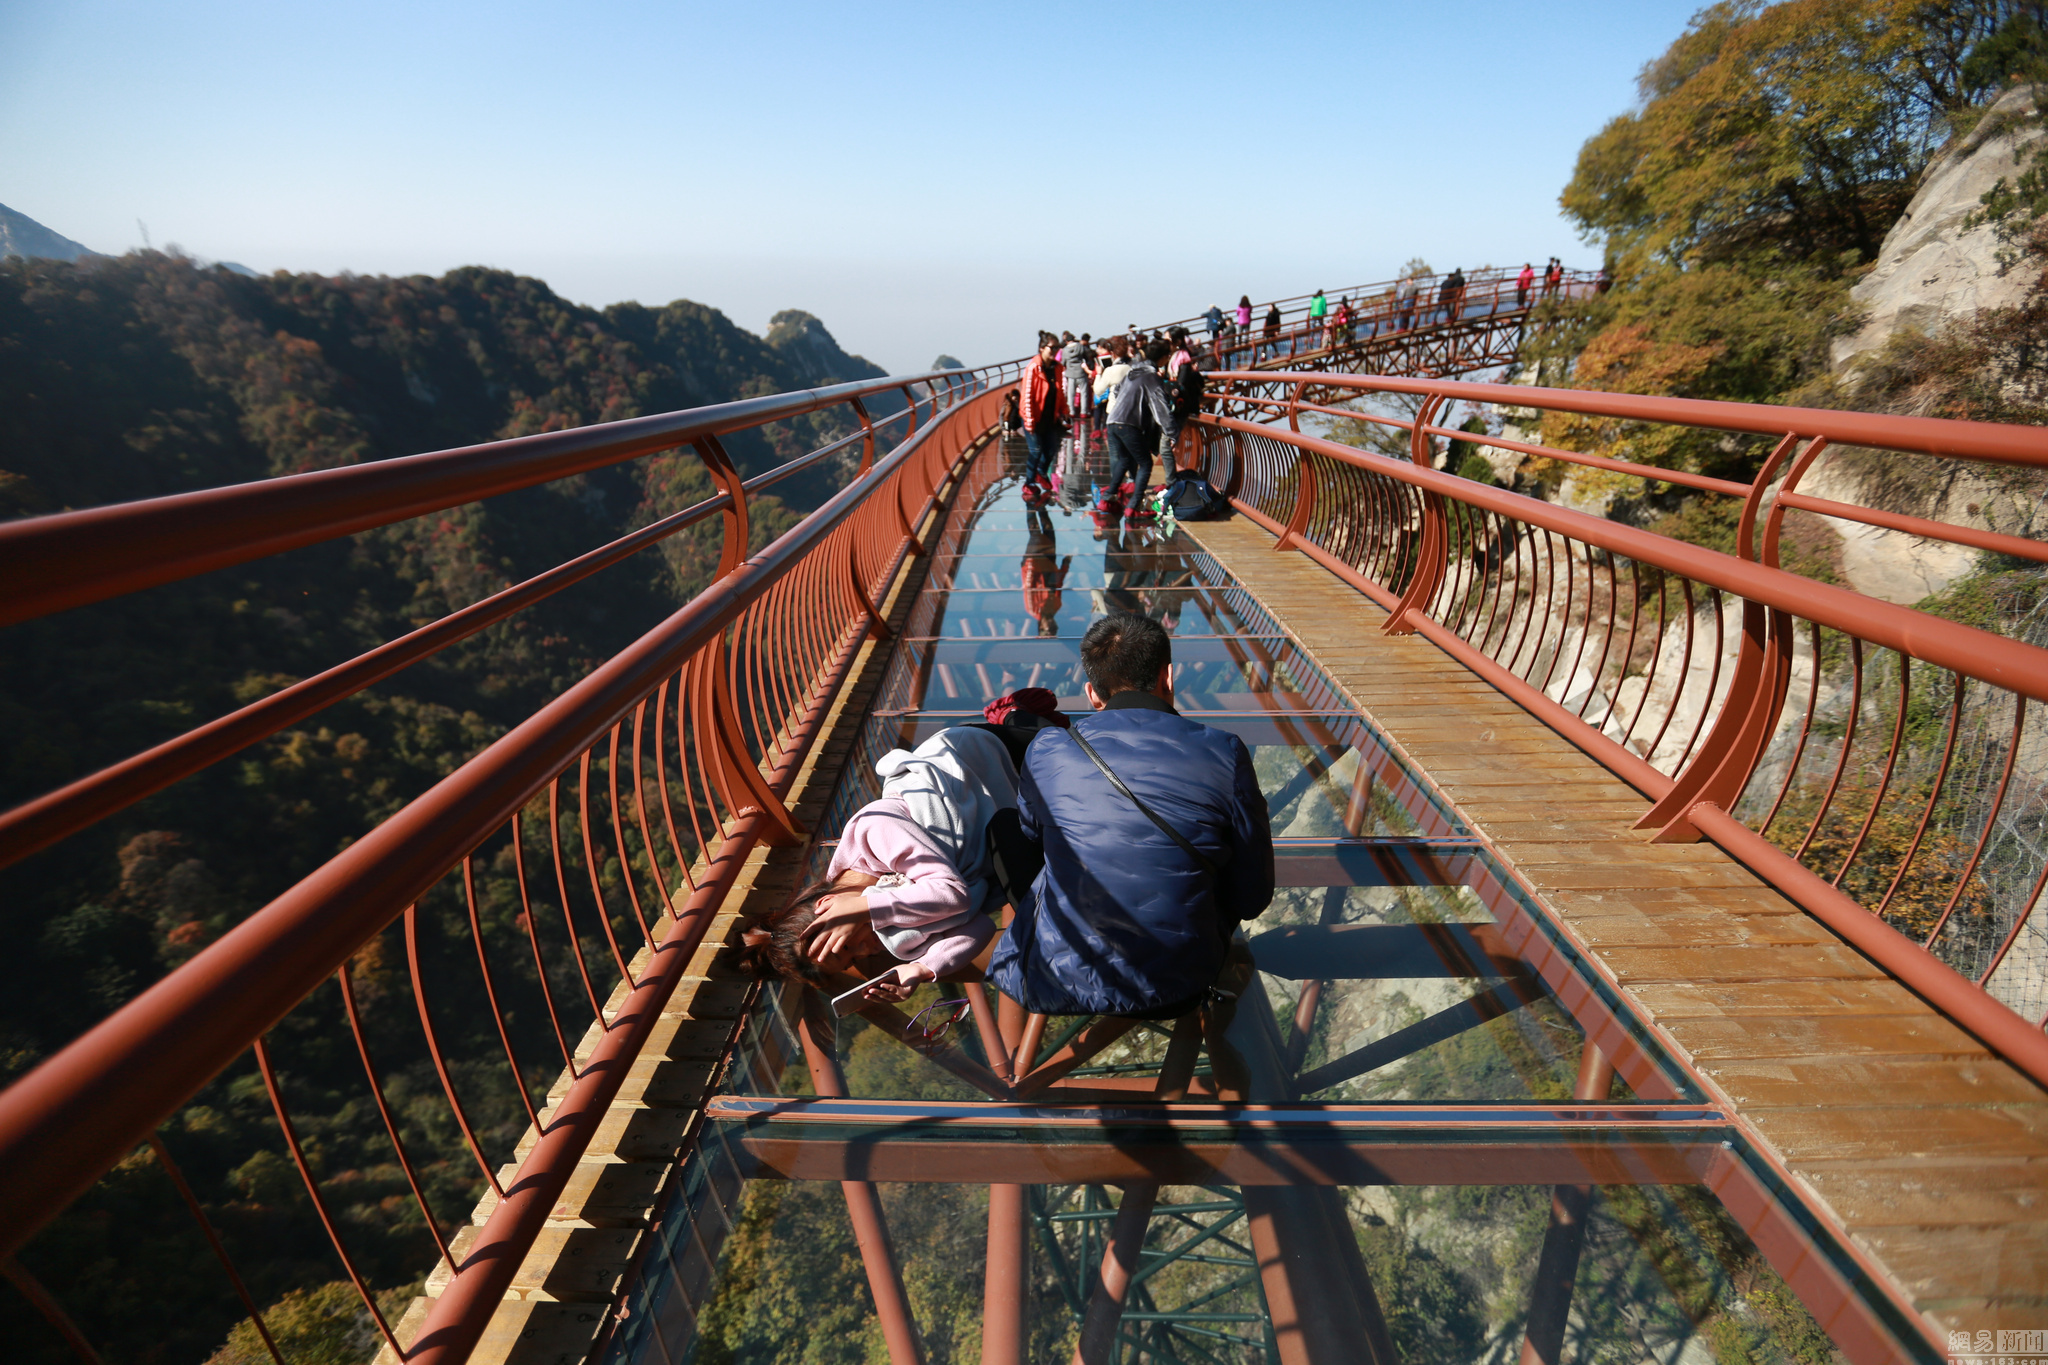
{"x": 921, "y": 909}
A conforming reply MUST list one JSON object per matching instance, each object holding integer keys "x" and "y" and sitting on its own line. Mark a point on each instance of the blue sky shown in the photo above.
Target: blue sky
{"x": 924, "y": 177}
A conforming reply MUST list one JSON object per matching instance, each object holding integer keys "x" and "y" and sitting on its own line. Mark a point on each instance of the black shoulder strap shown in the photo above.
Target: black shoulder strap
{"x": 1200, "y": 857}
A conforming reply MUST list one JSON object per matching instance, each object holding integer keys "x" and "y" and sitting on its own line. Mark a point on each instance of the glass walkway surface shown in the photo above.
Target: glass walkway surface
{"x": 1458, "y": 1141}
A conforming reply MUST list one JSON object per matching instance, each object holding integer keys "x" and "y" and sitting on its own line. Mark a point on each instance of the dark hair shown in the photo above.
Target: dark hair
{"x": 1124, "y": 653}
{"x": 774, "y": 945}
{"x": 1157, "y": 351}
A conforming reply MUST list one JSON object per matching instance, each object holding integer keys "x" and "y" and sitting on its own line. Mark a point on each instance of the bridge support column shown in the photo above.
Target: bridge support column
{"x": 1550, "y": 1297}
{"x": 1004, "y": 1291}
{"x": 1113, "y": 1282}
{"x": 863, "y": 1200}
{"x": 1319, "y": 1295}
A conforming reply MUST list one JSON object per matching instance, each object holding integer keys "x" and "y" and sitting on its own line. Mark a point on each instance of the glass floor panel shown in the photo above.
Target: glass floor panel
{"x": 1210, "y": 673}
{"x": 1432, "y": 1235}
{"x": 1439, "y": 1097}
{"x": 1390, "y": 972}
{"x": 1324, "y": 776}
{"x": 1665, "y": 1274}
{"x": 1129, "y": 563}
{"x": 966, "y": 614}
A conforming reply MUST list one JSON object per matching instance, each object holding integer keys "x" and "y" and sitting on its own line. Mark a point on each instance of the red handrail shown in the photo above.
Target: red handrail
{"x": 68, "y": 559}
{"x": 83, "y": 1109}
{"x": 1319, "y": 497}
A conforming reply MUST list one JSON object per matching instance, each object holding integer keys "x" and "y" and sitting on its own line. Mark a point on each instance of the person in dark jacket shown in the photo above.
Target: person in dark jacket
{"x": 1450, "y": 295}
{"x": 1122, "y": 920}
{"x": 1140, "y": 421}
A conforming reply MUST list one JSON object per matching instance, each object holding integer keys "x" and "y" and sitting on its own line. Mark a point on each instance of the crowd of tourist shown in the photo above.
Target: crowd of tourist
{"x": 1099, "y": 862}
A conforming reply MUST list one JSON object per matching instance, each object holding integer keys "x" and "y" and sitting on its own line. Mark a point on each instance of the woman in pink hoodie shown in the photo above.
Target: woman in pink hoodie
{"x": 911, "y": 889}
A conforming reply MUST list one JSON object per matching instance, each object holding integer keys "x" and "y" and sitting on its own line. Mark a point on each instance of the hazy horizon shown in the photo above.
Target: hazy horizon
{"x": 921, "y": 179}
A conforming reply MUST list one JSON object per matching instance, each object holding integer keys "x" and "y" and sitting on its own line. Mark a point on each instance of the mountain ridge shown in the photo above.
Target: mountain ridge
{"x": 21, "y": 235}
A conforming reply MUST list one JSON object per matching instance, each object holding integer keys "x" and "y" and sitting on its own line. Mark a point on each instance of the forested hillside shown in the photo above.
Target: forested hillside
{"x": 1773, "y": 149}
{"x": 146, "y": 374}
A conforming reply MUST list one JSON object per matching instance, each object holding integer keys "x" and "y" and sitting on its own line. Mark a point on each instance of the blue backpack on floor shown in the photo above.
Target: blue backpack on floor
{"x": 1192, "y": 498}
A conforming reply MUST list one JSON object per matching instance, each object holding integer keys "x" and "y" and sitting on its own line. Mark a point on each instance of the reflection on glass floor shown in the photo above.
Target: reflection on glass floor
{"x": 1324, "y": 776}
{"x": 1443, "y": 1135}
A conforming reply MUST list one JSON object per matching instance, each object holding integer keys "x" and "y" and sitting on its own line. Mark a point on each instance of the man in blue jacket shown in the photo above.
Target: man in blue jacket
{"x": 1127, "y": 918}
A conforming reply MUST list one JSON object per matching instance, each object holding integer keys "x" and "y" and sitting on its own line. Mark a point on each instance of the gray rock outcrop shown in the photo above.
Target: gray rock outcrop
{"x": 1929, "y": 269}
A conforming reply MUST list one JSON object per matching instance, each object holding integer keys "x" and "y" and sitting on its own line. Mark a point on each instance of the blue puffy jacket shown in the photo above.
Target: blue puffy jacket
{"x": 1121, "y": 920}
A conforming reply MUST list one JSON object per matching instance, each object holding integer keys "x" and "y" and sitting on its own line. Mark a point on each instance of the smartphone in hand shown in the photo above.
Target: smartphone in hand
{"x": 850, "y": 1002}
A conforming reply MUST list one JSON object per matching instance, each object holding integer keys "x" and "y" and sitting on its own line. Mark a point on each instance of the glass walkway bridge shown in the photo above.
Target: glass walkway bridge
{"x": 1657, "y": 970}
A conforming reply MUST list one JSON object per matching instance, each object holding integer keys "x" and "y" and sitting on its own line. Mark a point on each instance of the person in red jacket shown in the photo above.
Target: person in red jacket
{"x": 1042, "y": 403}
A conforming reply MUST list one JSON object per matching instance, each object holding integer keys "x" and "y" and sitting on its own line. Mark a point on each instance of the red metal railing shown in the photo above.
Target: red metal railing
{"x": 1804, "y": 727}
{"x": 1379, "y": 313}
{"x": 625, "y": 807}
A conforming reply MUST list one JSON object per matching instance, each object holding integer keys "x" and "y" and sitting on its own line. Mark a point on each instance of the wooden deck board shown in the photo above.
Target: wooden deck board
{"x": 1929, "y": 1153}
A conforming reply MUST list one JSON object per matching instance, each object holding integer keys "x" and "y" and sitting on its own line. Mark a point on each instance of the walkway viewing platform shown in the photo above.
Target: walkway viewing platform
{"x": 1907, "y": 1134}
{"x": 1475, "y": 958}
{"x": 1657, "y": 971}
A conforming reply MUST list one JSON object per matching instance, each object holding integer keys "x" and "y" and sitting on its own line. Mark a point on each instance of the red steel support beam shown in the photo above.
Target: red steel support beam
{"x": 1005, "y": 1289}
{"x": 1550, "y": 1299}
{"x": 1319, "y": 1295}
{"x": 1097, "y": 1345}
{"x": 863, "y": 1201}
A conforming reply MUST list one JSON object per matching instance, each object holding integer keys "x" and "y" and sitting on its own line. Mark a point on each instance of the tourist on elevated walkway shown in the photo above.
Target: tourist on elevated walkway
{"x": 1450, "y": 295}
{"x": 1523, "y": 283}
{"x": 1318, "y": 309}
{"x": 912, "y": 885}
{"x": 1404, "y": 300}
{"x": 1553, "y": 275}
{"x": 1148, "y": 873}
{"x": 1140, "y": 421}
{"x": 1042, "y": 402}
{"x": 1079, "y": 359}
{"x": 1340, "y": 323}
{"x": 1109, "y": 376}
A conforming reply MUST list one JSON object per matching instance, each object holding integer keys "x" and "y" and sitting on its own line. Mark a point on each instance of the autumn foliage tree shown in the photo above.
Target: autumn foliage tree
{"x": 1773, "y": 148}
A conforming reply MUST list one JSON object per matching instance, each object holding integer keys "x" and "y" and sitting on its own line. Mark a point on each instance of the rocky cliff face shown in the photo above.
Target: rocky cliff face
{"x": 1931, "y": 271}
{"x": 813, "y": 351}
